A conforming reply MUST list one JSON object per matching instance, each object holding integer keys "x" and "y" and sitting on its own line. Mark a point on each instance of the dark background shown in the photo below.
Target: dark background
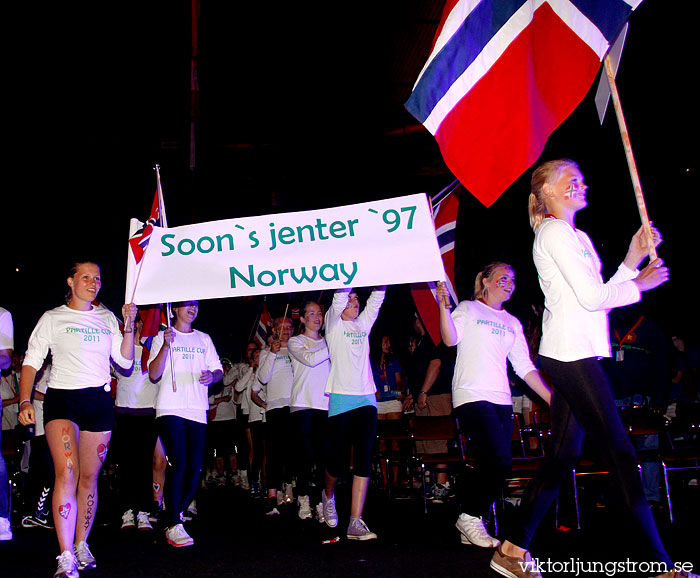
{"x": 301, "y": 107}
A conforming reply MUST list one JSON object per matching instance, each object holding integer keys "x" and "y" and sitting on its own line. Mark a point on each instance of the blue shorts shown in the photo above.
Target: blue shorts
{"x": 90, "y": 408}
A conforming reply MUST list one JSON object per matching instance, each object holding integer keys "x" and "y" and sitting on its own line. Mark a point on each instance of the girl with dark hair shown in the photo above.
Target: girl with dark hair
{"x": 181, "y": 409}
{"x": 78, "y": 409}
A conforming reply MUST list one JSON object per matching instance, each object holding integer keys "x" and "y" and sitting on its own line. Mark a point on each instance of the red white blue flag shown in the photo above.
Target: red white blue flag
{"x": 139, "y": 240}
{"x": 262, "y": 329}
{"x": 503, "y": 75}
{"x": 445, "y": 209}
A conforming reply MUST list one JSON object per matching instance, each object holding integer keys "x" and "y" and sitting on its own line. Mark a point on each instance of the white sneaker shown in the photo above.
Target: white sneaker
{"x": 473, "y": 531}
{"x": 5, "y": 529}
{"x": 245, "y": 483}
{"x": 128, "y": 520}
{"x": 143, "y": 522}
{"x": 177, "y": 536}
{"x": 67, "y": 565}
{"x": 358, "y": 530}
{"x": 319, "y": 513}
{"x": 288, "y": 493}
{"x": 304, "y": 507}
{"x": 86, "y": 561}
{"x": 330, "y": 516}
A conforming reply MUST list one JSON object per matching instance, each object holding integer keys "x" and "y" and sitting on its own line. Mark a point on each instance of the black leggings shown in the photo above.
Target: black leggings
{"x": 356, "y": 428}
{"x": 278, "y": 447}
{"x": 184, "y": 442}
{"x": 583, "y": 404}
{"x": 133, "y": 441}
{"x": 310, "y": 430}
{"x": 489, "y": 428}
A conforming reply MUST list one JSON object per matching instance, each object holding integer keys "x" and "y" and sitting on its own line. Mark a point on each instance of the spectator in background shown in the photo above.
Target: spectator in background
{"x": 430, "y": 381}
{"x": 6, "y": 346}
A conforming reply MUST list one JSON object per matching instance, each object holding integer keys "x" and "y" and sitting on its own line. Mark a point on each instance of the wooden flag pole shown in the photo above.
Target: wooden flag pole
{"x": 641, "y": 204}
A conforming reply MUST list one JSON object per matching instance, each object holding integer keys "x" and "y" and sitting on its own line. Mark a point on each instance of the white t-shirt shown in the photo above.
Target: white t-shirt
{"x": 348, "y": 343}
{"x": 577, "y": 301}
{"x": 311, "y": 366}
{"x": 486, "y": 337}
{"x": 81, "y": 344}
{"x": 275, "y": 371}
{"x": 192, "y": 353}
{"x": 136, "y": 391}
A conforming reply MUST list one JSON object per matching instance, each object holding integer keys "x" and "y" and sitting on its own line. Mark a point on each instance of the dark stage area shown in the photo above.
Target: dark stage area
{"x": 234, "y": 538}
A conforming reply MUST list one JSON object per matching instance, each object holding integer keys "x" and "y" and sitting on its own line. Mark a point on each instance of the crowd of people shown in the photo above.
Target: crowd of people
{"x": 294, "y": 416}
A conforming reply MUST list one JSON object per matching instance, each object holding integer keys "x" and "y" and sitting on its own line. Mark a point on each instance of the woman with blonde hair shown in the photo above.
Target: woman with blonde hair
{"x": 574, "y": 337}
{"x": 487, "y": 337}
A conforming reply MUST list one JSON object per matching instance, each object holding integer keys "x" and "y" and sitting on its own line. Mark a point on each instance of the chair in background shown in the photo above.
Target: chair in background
{"x": 395, "y": 447}
{"x": 427, "y": 428}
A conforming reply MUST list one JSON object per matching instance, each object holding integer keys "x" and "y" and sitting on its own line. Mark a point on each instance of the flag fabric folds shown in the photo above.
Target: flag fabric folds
{"x": 503, "y": 75}
{"x": 445, "y": 211}
{"x": 263, "y": 327}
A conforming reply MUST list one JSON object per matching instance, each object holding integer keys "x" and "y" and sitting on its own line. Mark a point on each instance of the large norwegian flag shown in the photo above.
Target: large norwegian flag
{"x": 503, "y": 75}
{"x": 445, "y": 208}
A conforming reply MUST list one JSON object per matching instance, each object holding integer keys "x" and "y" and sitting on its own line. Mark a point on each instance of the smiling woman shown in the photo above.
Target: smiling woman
{"x": 78, "y": 413}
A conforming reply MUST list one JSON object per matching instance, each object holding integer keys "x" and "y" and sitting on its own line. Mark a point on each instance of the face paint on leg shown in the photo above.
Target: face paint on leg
{"x": 102, "y": 452}
{"x": 156, "y": 487}
{"x": 90, "y": 503}
{"x": 64, "y": 511}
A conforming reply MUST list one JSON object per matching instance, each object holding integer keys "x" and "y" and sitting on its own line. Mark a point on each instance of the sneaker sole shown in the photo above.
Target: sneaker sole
{"x": 502, "y": 571}
{"x": 90, "y": 566}
{"x": 364, "y": 537}
{"x": 190, "y": 543}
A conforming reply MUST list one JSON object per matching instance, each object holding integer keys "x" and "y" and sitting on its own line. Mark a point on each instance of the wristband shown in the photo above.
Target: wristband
{"x": 21, "y": 403}
{"x": 423, "y": 392}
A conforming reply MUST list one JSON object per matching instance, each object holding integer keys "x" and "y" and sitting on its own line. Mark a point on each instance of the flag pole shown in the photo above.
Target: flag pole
{"x": 168, "y": 306}
{"x": 639, "y": 195}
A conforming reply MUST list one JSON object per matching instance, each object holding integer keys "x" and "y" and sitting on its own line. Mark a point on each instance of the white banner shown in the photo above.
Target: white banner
{"x": 382, "y": 242}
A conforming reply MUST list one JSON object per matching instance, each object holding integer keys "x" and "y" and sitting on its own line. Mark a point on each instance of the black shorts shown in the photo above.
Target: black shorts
{"x": 90, "y": 408}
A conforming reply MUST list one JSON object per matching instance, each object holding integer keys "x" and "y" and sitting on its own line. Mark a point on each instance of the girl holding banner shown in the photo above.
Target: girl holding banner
{"x": 574, "y": 337}
{"x": 181, "y": 412}
{"x": 486, "y": 336}
{"x": 78, "y": 408}
{"x": 352, "y": 409}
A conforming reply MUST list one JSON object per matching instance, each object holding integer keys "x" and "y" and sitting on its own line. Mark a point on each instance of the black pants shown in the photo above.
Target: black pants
{"x": 41, "y": 475}
{"x": 583, "y": 404}
{"x": 257, "y": 435}
{"x": 184, "y": 442}
{"x": 311, "y": 440}
{"x": 356, "y": 428}
{"x": 489, "y": 428}
{"x": 133, "y": 441}
{"x": 278, "y": 447}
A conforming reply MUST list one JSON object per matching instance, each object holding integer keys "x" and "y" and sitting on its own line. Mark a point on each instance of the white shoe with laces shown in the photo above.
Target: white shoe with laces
{"x": 304, "y": 507}
{"x": 5, "y": 529}
{"x": 142, "y": 521}
{"x": 177, "y": 536}
{"x": 67, "y": 566}
{"x": 86, "y": 561}
{"x": 330, "y": 516}
{"x": 128, "y": 520}
{"x": 473, "y": 531}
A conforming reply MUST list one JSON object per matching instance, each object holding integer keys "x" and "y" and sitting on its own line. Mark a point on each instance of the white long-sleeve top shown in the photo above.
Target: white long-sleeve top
{"x": 81, "y": 344}
{"x": 348, "y": 344}
{"x": 577, "y": 300}
{"x": 192, "y": 353}
{"x": 248, "y": 406}
{"x": 311, "y": 366}
{"x": 275, "y": 372}
{"x": 136, "y": 391}
{"x": 486, "y": 337}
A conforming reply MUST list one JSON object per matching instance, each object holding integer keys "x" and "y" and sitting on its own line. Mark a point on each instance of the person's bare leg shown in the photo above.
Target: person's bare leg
{"x": 62, "y": 437}
{"x": 359, "y": 494}
{"x": 93, "y": 451}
